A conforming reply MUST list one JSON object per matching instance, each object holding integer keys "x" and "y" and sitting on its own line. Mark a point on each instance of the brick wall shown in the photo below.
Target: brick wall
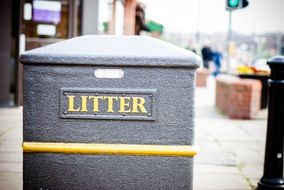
{"x": 238, "y": 98}
{"x": 223, "y": 84}
{"x": 201, "y": 77}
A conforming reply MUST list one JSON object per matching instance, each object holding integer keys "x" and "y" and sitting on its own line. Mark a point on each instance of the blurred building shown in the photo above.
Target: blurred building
{"x": 28, "y": 24}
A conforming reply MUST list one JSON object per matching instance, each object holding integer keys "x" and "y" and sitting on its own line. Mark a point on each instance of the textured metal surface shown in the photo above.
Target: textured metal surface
{"x": 149, "y": 66}
{"x": 113, "y": 51}
{"x": 100, "y": 172}
{"x": 174, "y": 106}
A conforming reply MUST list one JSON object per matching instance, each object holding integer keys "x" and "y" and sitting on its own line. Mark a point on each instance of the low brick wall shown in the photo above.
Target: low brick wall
{"x": 223, "y": 85}
{"x": 238, "y": 98}
{"x": 201, "y": 77}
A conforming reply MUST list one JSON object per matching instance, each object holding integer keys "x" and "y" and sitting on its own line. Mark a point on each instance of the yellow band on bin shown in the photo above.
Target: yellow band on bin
{"x": 118, "y": 149}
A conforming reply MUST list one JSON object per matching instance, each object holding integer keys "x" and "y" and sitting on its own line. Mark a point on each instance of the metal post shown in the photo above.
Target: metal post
{"x": 90, "y": 17}
{"x": 5, "y": 49}
{"x": 230, "y": 26}
{"x": 112, "y": 22}
{"x": 229, "y": 41}
{"x": 273, "y": 163}
{"x": 279, "y": 42}
{"x": 20, "y": 42}
{"x": 198, "y": 24}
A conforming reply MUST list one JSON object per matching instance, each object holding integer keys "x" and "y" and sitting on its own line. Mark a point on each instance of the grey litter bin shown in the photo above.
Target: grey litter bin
{"x": 105, "y": 112}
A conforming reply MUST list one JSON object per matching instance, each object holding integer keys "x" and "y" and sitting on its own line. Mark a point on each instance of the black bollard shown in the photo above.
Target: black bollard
{"x": 273, "y": 164}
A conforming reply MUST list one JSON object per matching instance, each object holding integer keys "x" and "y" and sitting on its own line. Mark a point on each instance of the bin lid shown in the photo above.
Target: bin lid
{"x": 112, "y": 51}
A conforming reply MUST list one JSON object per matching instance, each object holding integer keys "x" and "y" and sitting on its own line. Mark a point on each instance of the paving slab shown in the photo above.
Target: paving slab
{"x": 11, "y": 181}
{"x": 216, "y": 181}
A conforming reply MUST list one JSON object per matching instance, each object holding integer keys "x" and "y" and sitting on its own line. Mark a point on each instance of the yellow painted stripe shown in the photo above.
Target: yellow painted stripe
{"x": 125, "y": 149}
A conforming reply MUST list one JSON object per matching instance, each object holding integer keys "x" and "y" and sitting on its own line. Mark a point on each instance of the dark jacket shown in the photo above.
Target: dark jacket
{"x": 206, "y": 54}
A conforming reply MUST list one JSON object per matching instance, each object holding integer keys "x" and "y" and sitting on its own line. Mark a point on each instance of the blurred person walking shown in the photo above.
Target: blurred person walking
{"x": 217, "y": 57}
{"x": 206, "y": 55}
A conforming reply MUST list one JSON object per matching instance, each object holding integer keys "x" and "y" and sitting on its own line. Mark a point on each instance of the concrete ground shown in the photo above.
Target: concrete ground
{"x": 10, "y": 148}
{"x": 231, "y": 152}
{"x": 230, "y": 155}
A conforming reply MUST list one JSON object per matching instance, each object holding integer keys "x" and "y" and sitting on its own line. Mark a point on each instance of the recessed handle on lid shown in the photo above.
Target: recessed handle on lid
{"x": 109, "y": 73}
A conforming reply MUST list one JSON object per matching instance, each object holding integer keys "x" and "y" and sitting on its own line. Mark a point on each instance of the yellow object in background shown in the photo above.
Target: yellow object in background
{"x": 243, "y": 69}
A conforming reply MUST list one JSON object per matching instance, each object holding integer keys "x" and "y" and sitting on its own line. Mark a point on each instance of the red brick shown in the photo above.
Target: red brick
{"x": 238, "y": 98}
{"x": 223, "y": 83}
{"x": 244, "y": 99}
{"x": 129, "y": 17}
{"x": 201, "y": 77}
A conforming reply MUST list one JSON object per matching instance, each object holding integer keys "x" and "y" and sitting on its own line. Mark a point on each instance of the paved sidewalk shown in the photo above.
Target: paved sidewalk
{"x": 10, "y": 149}
{"x": 230, "y": 151}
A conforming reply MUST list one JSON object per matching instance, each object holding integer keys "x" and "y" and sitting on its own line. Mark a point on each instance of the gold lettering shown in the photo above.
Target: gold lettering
{"x": 138, "y": 102}
{"x": 124, "y": 105}
{"x": 71, "y": 104}
{"x": 110, "y": 103}
{"x": 95, "y": 102}
{"x": 84, "y": 104}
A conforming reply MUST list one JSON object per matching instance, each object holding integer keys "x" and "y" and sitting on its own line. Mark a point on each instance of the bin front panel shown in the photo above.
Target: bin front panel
{"x": 69, "y": 171}
{"x": 150, "y": 105}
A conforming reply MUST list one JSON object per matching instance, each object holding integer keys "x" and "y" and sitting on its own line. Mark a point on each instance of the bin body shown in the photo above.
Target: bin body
{"x": 67, "y": 103}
